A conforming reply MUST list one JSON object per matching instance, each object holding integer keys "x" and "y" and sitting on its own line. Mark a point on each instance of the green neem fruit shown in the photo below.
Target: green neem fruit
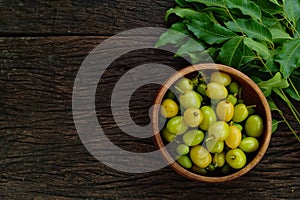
{"x": 182, "y": 149}
{"x": 211, "y": 167}
{"x": 225, "y": 169}
{"x": 201, "y": 88}
{"x": 220, "y": 77}
{"x": 234, "y": 88}
{"x": 184, "y": 84}
{"x": 254, "y": 126}
{"x": 231, "y": 98}
{"x": 235, "y": 137}
{"x": 169, "y": 108}
{"x": 216, "y": 90}
{"x": 190, "y": 99}
{"x": 176, "y": 125}
{"x": 214, "y": 146}
{"x": 219, "y": 159}
{"x": 249, "y": 144}
{"x": 225, "y": 110}
{"x": 169, "y": 137}
{"x": 200, "y": 156}
{"x": 185, "y": 161}
{"x": 236, "y": 158}
{"x": 199, "y": 170}
{"x": 170, "y": 95}
{"x": 219, "y": 131}
{"x": 240, "y": 113}
{"x": 193, "y": 117}
{"x": 193, "y": 137}
{"x": 209, "y": 117}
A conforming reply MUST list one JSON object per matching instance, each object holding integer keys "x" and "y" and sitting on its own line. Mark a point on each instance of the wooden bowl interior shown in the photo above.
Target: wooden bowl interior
{"x": 251, "y": 94}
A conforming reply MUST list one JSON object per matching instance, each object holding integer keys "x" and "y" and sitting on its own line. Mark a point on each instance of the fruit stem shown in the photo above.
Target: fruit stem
{"x": 252, "y": 106}
{"x": 240, "y": 92}
{"x": 210, "y": 138}
{"x": 232, "y": 157}
{"x": 179, "y": 90}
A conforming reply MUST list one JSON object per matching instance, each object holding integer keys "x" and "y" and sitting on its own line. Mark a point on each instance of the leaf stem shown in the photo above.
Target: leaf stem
{"x": 294, "y": 88}
{"x": 281, "y": 94}
{"x": 228, "y": 11}
{"x": 292, "y": 26}
{"x": 288, "y": 124}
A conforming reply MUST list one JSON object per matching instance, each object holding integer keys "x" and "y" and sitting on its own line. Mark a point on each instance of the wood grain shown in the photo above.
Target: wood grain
{"x": 42, "y": 156}
{"x": 77, "y": 17}
{"x": 42, "y": 45}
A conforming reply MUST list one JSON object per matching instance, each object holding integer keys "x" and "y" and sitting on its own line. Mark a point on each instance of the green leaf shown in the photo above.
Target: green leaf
{"x": 269, "y": 7}
{"x": 216, "y": 3}
{"x": 174, "y": 35}
{"x": 279, "y": 35}
{"x": 251, "y": 28}
{"x": 275, "y": 125}
{"x": 268, "y": 19}
{"x": 273, "y": 106}
{"x": 292, "y": 10}
{"x": 275, "y": 82}
{"x": 272, "y": 66}
{"x": 260, "y": 48}
{"x": 246, "y": 7}
{"x": 221, "y": 14}
{"x": 231, "y": 53}
{"x": 294, "y": 92}
{"x": 275, "y": 2}
{"x": 210, "y": 32}
{"x": 297, "y": 31}
{"x": 181, "y": 3}
{"x": 248, "y": 56}
{"x": 187, "y": 13}
{"x": 289, "y": 57}
{"x": 189, "y": 47}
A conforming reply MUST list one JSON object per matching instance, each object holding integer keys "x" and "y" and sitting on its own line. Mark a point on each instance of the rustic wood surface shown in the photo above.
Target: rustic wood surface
{"x": 41, "y": 155}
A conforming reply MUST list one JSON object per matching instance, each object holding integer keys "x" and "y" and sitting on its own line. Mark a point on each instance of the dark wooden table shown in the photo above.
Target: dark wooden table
{"x": 42, "y": 46}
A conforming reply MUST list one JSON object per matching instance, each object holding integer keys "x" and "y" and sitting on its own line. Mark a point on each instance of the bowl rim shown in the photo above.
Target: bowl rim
{"x": 159, "y": 142}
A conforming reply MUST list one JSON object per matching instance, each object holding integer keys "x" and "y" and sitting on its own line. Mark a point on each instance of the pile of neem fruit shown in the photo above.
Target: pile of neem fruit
{"x": 211, "y": 129}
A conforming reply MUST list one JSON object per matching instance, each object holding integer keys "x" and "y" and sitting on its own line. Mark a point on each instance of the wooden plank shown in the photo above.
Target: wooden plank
{"x": 42, "y": 157}
{"x": 79, "y": 17}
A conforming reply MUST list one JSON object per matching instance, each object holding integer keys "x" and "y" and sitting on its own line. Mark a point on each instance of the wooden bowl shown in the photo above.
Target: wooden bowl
{"x": 251, "y": 94}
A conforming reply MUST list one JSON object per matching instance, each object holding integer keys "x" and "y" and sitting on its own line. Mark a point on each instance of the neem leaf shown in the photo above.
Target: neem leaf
{"x": 216, "y": 3}
{"x": 279, "y": 35}
{"x": 190, "y": 46}
{"x": 187, "y": 13}
{"x": 275, "y": 125}
{"x": 294, "y": 92}
{"x": 275, "y": 82}
{"x": 271, "y": 66}
{"x": 219, "y": 13}
{"x": 251, "y": 28}
{"x": 231, "y": 53}
{"x": 260, "y": 48}
{"x": 248, "y": 56}
{"x": 210, "y": 32}
{"x": 246, "y": 7}
{"x": 292, "y": 10}
{"x": 181, "y": 3}
{"x": 270, "y": 7}
{"x": 174, "y": 35}
{"x": 297, "y": 33}
{"x": 275, "y": 2}
{"x": 289, "y": 57}
{"x": 273, "y": 106}
{"x": 268, "y": 19}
